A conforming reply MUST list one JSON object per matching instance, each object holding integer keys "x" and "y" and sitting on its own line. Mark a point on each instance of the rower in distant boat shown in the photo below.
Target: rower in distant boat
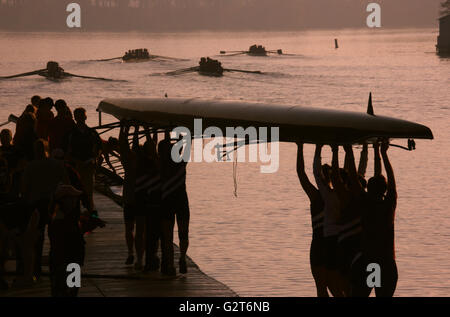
{"x": 136, "y": 55}
{"x": 257, "y": 50}
{"x": 54, "y": 71}
{"x": 209, "y": 66}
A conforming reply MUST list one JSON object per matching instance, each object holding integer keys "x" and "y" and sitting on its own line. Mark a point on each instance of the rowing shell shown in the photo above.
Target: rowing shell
{"x": 309, "y": 125}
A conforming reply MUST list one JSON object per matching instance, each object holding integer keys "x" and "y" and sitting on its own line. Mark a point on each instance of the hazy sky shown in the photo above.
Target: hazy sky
{"x": 160, "y": 15}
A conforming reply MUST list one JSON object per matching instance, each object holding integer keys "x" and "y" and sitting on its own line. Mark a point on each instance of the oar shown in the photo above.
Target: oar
{"x": 24, "y": 74}
{"x": 280, "y": 52}
{"x": 106, "y": 59}
{"x": 12, "y": 118}
{"x": 167, "y": 57}
{"x": 182, "y": 71}
{"x": 225, "y": 52}
{"x": 89, "y": 77}
{"x": 242, "y": 71}
{"x": 235, "y": 54}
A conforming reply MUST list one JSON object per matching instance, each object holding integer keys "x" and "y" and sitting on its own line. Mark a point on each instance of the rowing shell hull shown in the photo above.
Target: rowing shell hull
{"x": 54, "y": 79}
{"x": 210, "y": 74}
{"x": 309, "y": 125}
{"x": 136, "y": 60}
{"x": 257, "y": 54}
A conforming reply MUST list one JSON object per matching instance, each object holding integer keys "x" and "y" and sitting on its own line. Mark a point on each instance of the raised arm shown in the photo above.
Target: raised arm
{"x": 317, "y": 170}
{"x": 362, "y": 168}
{"x": 377, "y": 159}
{"x": 148, "y": 137}
{"x": 355, "y": 186}
{"x": 391, "y": 186}
{"x": 124, "y": 146}
{"x": 336, "y": 179}
{"x": 135, "y": 146}
{"x": 309, "y": 188}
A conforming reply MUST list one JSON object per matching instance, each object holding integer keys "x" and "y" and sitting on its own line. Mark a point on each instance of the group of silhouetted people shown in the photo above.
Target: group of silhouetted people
{"x": 137, "y": 54}
{"x": 257, "y": 49}
{"x": 154, "y": 195}
{"x": 47, "y": 175}
{"x": 54, "y": 70}
{"x": 352, "y": 222}
{"x": 209, "y": 65}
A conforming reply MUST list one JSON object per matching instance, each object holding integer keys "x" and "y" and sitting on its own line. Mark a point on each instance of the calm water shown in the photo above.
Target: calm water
{"x": 258, "y": 243}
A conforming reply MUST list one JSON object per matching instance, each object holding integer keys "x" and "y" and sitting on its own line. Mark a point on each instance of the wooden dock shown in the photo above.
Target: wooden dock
{"x": 105, "y": 274}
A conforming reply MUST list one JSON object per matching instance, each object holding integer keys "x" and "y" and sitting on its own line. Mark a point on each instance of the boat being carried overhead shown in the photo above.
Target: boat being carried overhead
{"x": 295, "y": 123}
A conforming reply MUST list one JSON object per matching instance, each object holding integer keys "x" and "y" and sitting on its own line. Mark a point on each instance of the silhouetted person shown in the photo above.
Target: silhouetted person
{"x": 84, "y": 145}
{"x": 317, "y": 255}
{"x": 128, "y": 158}
{"x": 19, "y": 223}
{"x": 66, "y": 239}
{"x": 378, "y": 227}
{"x": 44, "y": 116}
{"x": 4, "y": 219}
{"x": 145, "y": 182}
{"x": 25, "y": 134}
{"x": 175, "y": 204}
{"x": 7, "y": 149}
{"x": 15, "y": 158}
{"x": 110, "y": 148}
{"x": 148, "y": 191}
{"x": 351, "y": 197}
{"x": 54, "y": 70}
{"x": 60, "y": 126}
{"x": 40, "y": 179}
{"x": 74, "y": 180}
{"x": 331, "y": 226}
{"x": 35, "y": 100}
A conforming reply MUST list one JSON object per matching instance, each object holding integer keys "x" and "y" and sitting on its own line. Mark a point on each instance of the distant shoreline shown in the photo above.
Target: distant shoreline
{"x": 223, "y": 31}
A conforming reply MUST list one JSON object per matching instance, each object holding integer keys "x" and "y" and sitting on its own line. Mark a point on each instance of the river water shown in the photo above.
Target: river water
{"x": 258, "y": 242}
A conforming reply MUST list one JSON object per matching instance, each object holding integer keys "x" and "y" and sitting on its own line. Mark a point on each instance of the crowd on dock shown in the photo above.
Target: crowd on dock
{"x": 47, "y": 171}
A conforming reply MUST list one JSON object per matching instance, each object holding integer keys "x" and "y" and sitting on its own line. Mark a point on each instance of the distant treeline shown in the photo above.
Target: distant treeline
{"x": 179, "y": 15}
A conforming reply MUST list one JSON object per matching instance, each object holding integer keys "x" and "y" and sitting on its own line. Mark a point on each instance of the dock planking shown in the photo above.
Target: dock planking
{"x": 105, "y": 274}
